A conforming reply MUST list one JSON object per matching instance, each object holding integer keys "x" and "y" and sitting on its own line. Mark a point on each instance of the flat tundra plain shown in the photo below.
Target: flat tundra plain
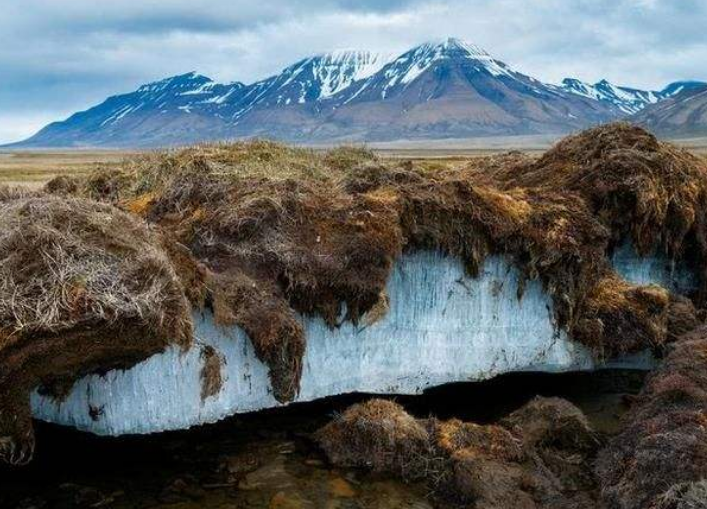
{"x": 34, "y": 168}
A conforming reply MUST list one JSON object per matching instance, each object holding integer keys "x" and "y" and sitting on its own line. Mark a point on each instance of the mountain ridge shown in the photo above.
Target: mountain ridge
{"x": 437, "y": 90}
{"x": 684, "y": 114}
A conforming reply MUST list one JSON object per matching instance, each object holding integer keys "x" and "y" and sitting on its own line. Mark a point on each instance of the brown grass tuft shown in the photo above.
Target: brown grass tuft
{"x": 642, "y": 189}
{"x": 520, "y": 465}
{"x": 83, "y": 287}
{"x": 663, "y": 444}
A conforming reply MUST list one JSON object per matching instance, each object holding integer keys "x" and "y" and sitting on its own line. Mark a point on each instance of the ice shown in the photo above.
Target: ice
{"x": 655, "y": 269}
{"x": 442, "y": 327}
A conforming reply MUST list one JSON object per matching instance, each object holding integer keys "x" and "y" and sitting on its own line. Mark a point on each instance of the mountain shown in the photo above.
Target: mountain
{"x": 174, "y": 110}
{"x": 454, "y": 89}
{"x": 627, "y": 100}
{"x": 436, "y": 90}
{"x": 684, "y": 114}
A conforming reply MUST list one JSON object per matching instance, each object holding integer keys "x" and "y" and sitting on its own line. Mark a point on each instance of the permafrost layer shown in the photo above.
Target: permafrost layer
{"x": 653, "y": 270}
{"x": 442, "y": 327}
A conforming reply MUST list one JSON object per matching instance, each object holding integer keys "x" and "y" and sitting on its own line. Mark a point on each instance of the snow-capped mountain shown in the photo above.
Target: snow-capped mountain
{"x": 401, "y": 72}
{"x": 627, "y": 100}
{"x": 178, "y": 93}
{"x": 443, "y": 89}
{"x": 317, "y": 78}
{"x": 454, "y": 89}
{"x": 683, "y": 114}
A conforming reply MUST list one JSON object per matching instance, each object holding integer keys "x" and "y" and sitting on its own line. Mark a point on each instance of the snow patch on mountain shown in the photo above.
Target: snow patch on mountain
{"x": 336, "y": 71}
{"x": 409, "y": 66}
{"x": 628, "y": 100}
{"x": 335, "y": 95}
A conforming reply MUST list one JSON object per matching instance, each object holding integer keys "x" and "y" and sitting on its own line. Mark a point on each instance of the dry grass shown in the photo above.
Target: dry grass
{"x": 83, "y": 287}
{"x": 660, "y": 457}
{"x": 278, "y": 230}
{"x": 540, "y": 457}
{"x": 689, "y": 495}
{"x": 641, "y": 188}
{"x": 34, "y": 169}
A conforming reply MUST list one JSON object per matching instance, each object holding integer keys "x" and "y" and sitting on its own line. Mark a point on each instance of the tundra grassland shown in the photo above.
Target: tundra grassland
{"x": 34, "y": 168}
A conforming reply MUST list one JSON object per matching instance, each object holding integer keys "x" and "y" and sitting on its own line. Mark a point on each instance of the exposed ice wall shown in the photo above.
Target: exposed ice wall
{"x": 442, "y": 327}
{"x": 655, "y": 269}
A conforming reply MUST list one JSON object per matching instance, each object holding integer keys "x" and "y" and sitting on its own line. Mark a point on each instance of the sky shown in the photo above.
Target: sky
{"x": 58, "y": 57}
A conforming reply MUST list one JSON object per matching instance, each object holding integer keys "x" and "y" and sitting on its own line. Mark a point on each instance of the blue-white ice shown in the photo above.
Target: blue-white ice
{"x": 652, "y": 270}
{"x": 442, "y": 327}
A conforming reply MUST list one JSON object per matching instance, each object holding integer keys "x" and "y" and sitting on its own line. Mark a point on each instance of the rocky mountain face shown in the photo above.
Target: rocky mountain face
{"x": 684, "y": 114}
{"x": 436, "y": 90}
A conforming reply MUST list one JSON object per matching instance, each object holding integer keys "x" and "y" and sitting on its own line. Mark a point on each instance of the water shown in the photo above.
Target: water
{"x": 267, "y": 459}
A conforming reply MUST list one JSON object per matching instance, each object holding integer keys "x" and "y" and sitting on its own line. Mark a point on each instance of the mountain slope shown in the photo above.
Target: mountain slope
{"x": 627, "y": 100}
{"x": 685, "y": 114}
{"x": 454, "y": 89}
{"x": 171, "y": 107}
{"x": 436, "y": 90}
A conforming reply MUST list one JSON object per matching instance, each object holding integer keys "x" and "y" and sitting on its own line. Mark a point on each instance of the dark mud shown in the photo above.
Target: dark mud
{"x": 268, "y": 459}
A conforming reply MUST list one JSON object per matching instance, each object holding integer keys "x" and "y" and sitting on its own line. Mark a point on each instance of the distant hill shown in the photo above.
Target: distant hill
{"x": 685, "y": 114}
{"x": 449, "y": 89}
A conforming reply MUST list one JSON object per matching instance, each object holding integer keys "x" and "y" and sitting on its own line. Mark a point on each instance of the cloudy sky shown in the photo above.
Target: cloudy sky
{"x": 57, "y": 57}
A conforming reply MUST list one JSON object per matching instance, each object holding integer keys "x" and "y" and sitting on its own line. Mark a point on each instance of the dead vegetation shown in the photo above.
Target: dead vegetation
{"x": 259, "y": 233}
{"x": 538, "y": 457}
{"x": 84, "y": 287}
{"x": 689, "y": 495}
{"x": 642, "y": 189}
{"x": 277, "y": 231}
{"x": 659, "y": 460}
{"x": 211, "y": 376}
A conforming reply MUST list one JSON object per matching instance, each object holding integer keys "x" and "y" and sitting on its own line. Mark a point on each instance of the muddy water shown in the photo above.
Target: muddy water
{"x": 267, "y": 460}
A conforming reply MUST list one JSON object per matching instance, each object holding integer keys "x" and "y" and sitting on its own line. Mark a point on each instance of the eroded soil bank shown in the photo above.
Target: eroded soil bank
{"x": 269, "y": 459}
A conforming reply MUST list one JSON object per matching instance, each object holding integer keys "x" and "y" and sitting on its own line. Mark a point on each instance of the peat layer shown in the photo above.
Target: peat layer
{"x": 278, "y": 231}
{"x": 259, "y": 232}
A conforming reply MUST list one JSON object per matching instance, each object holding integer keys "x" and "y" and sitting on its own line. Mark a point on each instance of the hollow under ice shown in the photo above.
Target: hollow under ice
{"x": 442, "y": 326}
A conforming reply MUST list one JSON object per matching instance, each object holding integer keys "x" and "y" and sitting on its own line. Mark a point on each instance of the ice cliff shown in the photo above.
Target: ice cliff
{"x": 442, "y": 326}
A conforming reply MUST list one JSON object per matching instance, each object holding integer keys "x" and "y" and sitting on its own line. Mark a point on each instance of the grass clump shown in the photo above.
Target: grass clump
{"x": 660, "y": 457}
{"x": 539, "y": 457}
{"x": 83, "y": 287}
{"x": 642, "y": 189}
